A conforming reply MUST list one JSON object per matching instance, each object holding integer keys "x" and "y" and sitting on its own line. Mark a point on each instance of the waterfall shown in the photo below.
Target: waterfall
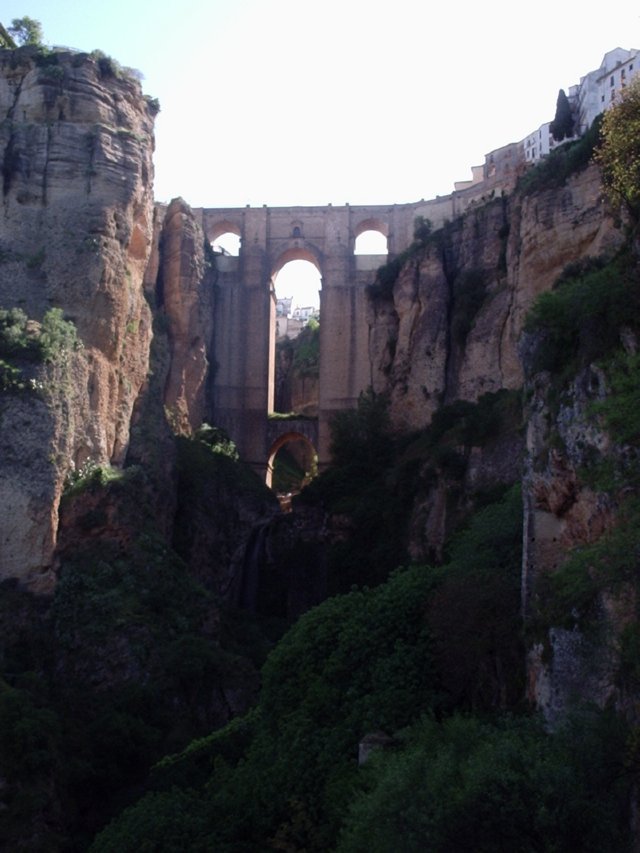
{"x": 254, "y": 560}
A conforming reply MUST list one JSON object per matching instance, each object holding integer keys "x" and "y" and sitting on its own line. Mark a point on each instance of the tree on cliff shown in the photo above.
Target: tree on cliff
{"x": 26, "y": 30}
{"x": 5, "y": 39}
{"x": 562, "y": 125}
{"x": 619, "y": 151}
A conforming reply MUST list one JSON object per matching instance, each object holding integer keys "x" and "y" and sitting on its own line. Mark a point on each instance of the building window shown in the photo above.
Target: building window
{"x": 296, "y": 231}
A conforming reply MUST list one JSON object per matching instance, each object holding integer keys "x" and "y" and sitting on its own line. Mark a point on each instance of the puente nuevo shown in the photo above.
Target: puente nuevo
{"x": 243, "y": 386}
{"x": 270, "y": 237}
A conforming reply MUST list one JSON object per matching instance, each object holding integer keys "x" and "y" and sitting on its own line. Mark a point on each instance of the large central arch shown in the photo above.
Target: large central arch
{"x": 245, "y": 299}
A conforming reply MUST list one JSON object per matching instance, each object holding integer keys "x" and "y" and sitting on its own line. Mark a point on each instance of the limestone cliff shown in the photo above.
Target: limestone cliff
{"x": 76, "y": 142}
{"x": 564, "y": 511}
{"x": 449, "y": 328}
{"x": 185, "y": 294}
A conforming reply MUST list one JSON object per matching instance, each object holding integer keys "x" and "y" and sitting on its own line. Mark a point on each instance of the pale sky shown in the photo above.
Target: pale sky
{"x": 285, "y": 102}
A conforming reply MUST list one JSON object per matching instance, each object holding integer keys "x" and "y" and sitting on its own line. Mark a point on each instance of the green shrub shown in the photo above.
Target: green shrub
{"x": 619, "y": 151}
{"x": 17, "y": 339}
{"x": 386, "y": 277}
{"x": 620, "y": 409}
{"x": 474, "y": 614}
{"x": 470, "y": 785}
{"x": 217, "y": 440}
{"x": 580, "y": 320}
{"x": 560, "y": 164}
{"x": 571, "y": 596}
{"x": 57, "y": 335}
{"x": 306, "y": 350}
{"x": 91, "y": 475}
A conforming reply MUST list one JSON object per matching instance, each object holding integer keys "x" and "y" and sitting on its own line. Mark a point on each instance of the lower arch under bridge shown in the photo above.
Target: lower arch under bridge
{"x": 281, "y": 431}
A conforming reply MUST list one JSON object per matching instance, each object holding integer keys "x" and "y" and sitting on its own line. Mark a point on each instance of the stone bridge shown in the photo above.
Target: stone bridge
{"x": 244, "y": 348}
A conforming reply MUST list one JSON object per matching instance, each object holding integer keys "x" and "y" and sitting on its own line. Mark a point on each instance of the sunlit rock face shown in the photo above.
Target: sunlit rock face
{"x": 185, "y": 293}
{"x": 76, "y": 144}
{"x": 432, "y": 341}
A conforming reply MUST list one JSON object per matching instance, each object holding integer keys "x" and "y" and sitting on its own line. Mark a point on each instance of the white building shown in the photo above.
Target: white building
{"x": 538, "y": 144}
{"x": 305, "y": 313}
{"x": 283, "y": 306}
{"x": 594, "y": 94}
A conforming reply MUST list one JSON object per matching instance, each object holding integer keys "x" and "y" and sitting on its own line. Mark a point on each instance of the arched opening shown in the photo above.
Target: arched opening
{"x": 371, "y": 243}
{"x": 295, "y": 348}
{"x": 227, "y": 244}
{"x": 293, "y": 463}
{"x": 371, "y": 238}
{"x": 225, "y": 239}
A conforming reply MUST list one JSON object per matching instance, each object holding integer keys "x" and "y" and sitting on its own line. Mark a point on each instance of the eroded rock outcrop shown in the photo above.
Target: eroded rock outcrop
{"x": 185, "y": 293}
{"x": 579, "y": 587}
{"x": 449, "y": 328}
{"x": 76, "y": 142}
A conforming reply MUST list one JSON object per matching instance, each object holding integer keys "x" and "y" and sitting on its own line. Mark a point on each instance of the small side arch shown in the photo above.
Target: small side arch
{"x": 371, "y": 237}
{"x": 219, "y": 231}
{"x": 372, "y": 224}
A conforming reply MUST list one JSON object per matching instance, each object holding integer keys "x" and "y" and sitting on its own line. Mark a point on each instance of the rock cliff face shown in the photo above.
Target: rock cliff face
{"x": 450, "y": 327}
{"x": 76, "y": 145}
{"x": 79, "y": 232}
{"x": 185, "y": 292}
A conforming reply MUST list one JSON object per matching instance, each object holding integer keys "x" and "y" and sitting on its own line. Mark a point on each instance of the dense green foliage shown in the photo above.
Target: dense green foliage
{"x": 306, "y": 350}
{"x": 619, "y": 151}
{"x": 135, "y": 669}
{"x": 377, "y": 476}
{"x": 579, "y": 321}
{"x": 288, "y": 475}
{"x": 562, "y": 125}
{"x": 571, "y": 596}
{"x": 130, "y": 661}
{"x": 26, "y": 30}
{"x": 296, "y": 359}
{"x": 474, "y": 615}
{"x": 24, "y": 343}
{"x": 360, "y": 662}
{"x": 218, "y": 440}
{"x": 586, "y": 329}
{"x": 621, "y": 408}
{"x": 359, "y": 486}
{"x": 286, "y": 777}
{"x": 491, "y": 787}
{"x": 560, "y": 164}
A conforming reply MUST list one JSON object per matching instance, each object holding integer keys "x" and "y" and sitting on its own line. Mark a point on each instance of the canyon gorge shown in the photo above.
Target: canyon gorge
{"x": 147, "y": 572}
